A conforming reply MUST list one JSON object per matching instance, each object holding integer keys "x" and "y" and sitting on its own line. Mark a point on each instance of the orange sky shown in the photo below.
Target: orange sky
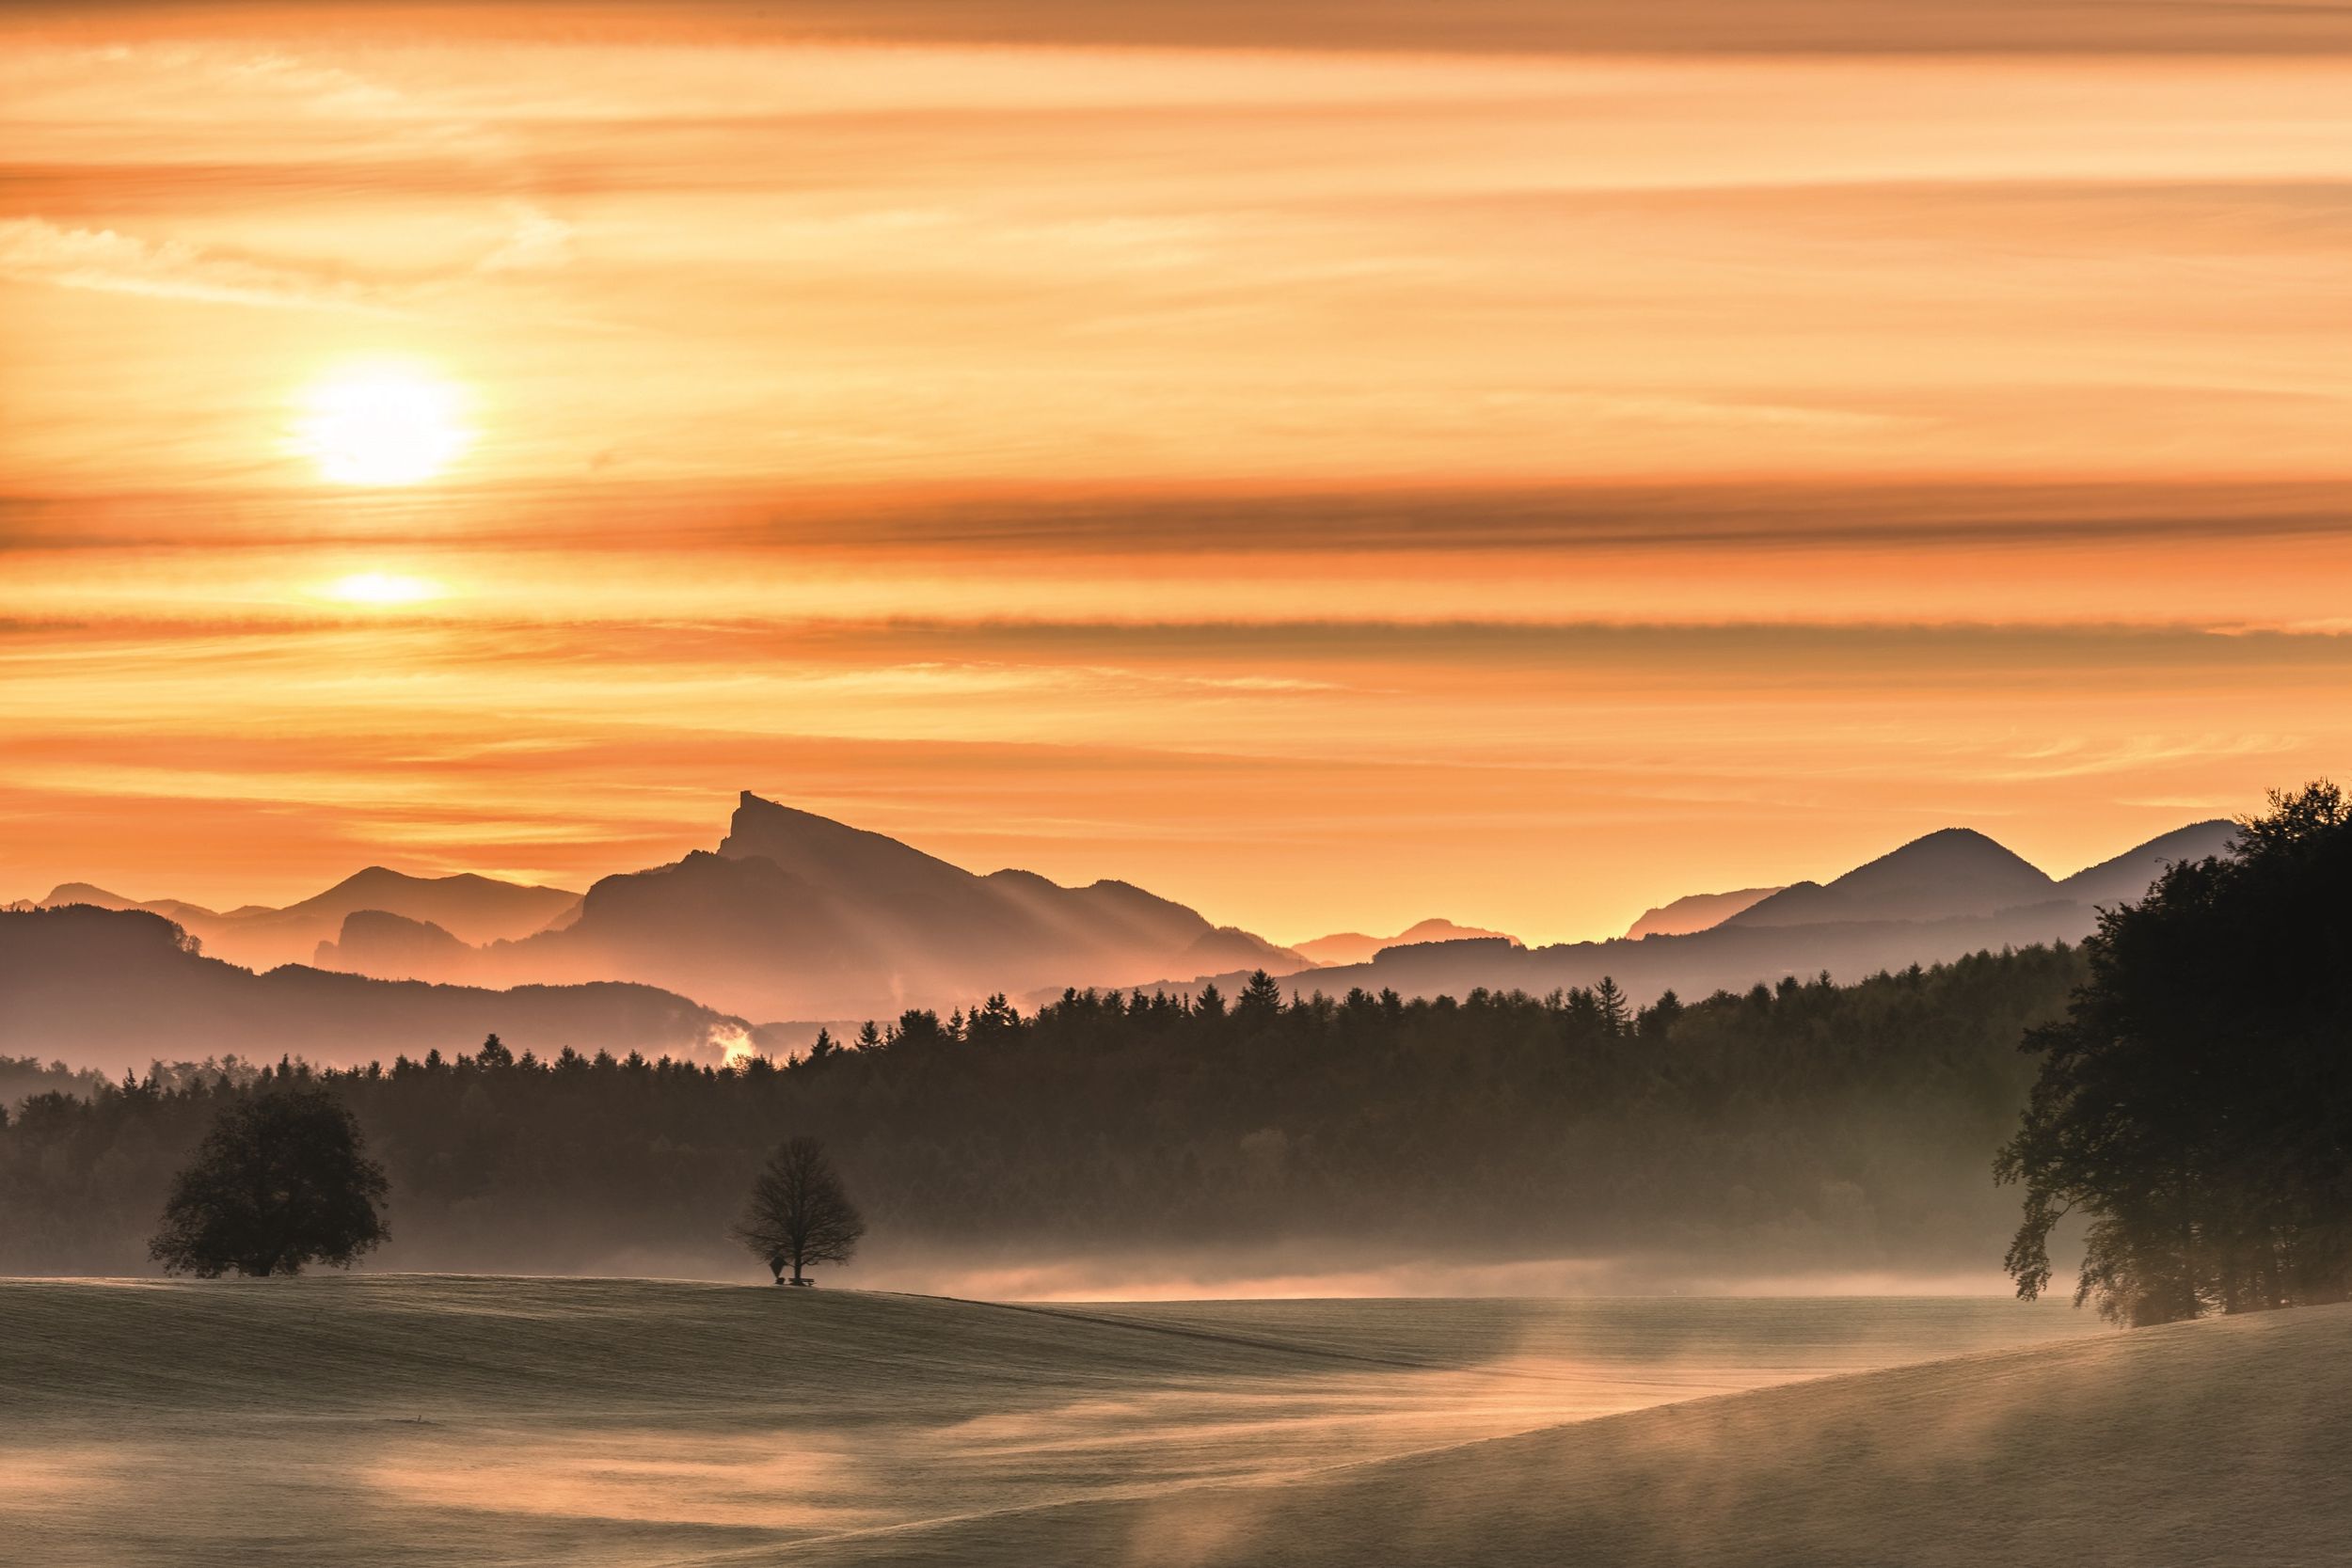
{"x": 1242, "y": 449}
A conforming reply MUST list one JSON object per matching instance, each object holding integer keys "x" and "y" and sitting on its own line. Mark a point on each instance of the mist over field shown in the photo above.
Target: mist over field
{"x": 423, "y": 1419}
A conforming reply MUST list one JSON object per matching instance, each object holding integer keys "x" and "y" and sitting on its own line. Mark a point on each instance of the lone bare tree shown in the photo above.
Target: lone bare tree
{"x": 798, "y": 1215}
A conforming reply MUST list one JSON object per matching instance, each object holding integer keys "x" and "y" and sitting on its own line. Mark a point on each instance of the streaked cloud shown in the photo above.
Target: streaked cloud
{"x": 34, "y": 251}
{"x": 2126, "y": 27}
{"x": 1334, "y": 464}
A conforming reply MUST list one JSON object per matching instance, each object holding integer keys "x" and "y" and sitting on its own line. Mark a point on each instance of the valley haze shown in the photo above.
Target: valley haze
{"x": 797, "y": 917}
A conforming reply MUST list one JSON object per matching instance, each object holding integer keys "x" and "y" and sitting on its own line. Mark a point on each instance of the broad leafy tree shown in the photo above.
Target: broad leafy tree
{"x": 799, "y": 1215}
{"x": 281, "y": 1180}
{"x": 2196, "y": 1102}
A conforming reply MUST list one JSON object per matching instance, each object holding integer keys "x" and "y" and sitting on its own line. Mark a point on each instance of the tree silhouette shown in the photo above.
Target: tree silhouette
{"x": 798, "y": 1216}
{"x": 2196, "y": 1102}
{"x": 1261, "y": 999}
{"x": 1657, "y": 1023}
{"x": 282, "y": 1179}
{"x": 1616, "y": 1013}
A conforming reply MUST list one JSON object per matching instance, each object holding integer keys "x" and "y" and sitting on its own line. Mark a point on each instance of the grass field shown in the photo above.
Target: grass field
{"x": 439, "y": 1420}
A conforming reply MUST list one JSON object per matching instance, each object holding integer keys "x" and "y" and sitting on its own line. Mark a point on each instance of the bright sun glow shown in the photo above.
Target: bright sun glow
{"x": 381, "y": 424}
{"x": 381, "y": 588}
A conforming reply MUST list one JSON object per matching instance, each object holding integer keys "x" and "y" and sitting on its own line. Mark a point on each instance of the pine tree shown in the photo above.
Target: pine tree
{"x": 1615, "y": 1016}
{"x": 1656, "y": 1020}
{"x": 1261, "y": 1000}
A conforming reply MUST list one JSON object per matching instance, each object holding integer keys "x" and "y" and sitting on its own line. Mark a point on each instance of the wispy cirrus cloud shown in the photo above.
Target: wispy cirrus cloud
{"x": 33, "y": 250}
{"x": 107, "y": 261}
{"x": 1496, "y": 26}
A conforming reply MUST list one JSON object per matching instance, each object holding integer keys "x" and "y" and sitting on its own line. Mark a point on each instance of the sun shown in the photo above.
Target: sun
{"x": 381, "y": 424}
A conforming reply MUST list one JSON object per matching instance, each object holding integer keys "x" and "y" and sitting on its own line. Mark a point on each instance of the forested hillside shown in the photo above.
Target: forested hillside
{"x": 1806, "y": 1125}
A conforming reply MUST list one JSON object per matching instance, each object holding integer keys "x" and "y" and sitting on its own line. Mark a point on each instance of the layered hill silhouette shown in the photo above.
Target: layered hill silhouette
{"x": 796, "y": 915}
{"x": 466, "y": 908}
{"x": 113, "y": 988}
{"x": 1939, "y": 898}
{"x": 1953, "y": 872}
{"x": 1695, "y": 912}
{"x": 1354, "y": 947}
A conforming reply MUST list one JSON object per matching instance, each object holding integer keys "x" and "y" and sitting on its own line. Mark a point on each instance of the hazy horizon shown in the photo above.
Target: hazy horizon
{"x": 233, "y": 906}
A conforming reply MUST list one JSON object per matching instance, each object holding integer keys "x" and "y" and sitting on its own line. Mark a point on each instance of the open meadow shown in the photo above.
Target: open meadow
{"x": 417, "y": 1420}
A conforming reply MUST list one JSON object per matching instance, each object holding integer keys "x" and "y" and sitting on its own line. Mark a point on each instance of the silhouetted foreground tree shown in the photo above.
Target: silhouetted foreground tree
{"x": 280, "y": 1180}
{"x": 2197, "y": 1100}
{"x": 798, "y": 1216}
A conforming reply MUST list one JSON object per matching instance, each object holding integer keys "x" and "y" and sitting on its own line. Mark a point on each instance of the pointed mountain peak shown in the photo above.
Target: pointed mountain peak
{"x": 832, "y": 852}
{"x": 1950, "y": 873}
{"x": 758, "y": 811}
{"x": 1943, "y": 852}
{"x": 761, "y": 824}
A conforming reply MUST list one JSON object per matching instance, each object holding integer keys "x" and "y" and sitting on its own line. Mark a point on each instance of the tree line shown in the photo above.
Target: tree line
{"x": 1801, "y": 1124}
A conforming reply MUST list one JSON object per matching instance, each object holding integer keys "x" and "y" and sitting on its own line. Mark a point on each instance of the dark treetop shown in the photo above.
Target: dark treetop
{"x": 280, "y": 1181}
{"x": 2196, "y": 1100}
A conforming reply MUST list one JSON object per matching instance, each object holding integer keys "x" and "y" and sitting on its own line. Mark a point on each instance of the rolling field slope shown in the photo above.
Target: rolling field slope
{"x": 439, "y": 1421}
{"x": 2214, "y": 1443}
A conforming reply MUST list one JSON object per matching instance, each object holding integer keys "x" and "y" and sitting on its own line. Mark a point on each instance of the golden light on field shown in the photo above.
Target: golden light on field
{"x": 381, "y": 424}
{"x": 384, "y": 590}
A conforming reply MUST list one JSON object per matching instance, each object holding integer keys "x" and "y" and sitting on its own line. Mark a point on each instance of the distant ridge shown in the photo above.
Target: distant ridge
{"x": 110, "y": 988}
{"x": 471, "y": 908}
{"x": 1935, "y": 899}
{"x": 2126, "y": 877}
{"x": 1354, "y": 947}
{"x": 1956, "y": 871}
{"x": 1695, "y": 912}
{"x": 797, "y": 915}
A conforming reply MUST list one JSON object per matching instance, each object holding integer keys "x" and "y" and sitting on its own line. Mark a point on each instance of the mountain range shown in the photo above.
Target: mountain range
{"x": 1354, "y": 947}
{"x": 1695, "y": 912}
{"x": 1938, "y": 898}
{"x": 466, "y": 908}
{"x": 114, "y": 988}
{"x": 795, "y": 916}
